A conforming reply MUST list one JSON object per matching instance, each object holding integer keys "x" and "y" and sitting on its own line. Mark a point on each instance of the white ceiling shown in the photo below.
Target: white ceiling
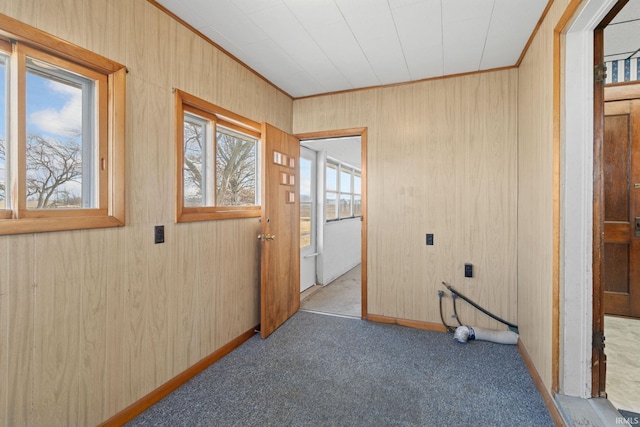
{"x": 308, "y": 47}
{"x": 346, "y": 150}
{"x": 622, "y": 35}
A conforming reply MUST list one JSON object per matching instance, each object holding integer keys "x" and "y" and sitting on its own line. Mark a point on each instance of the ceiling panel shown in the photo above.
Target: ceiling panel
{"x": 512, "y": 23}
{"x": 622, "y": 35}
{"x": 315, "y": 13}
{"x": 346, "y": 150}
{"x": 250, "y": 6}
{"x": 420, "y": 33}
{"x": 307, "y": 47}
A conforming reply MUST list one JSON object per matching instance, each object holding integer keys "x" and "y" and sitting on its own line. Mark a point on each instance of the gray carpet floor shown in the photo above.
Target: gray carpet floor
{"x": 319, "y": 370}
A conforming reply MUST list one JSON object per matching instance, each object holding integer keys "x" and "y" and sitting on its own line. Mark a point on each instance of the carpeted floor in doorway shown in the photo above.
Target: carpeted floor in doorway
{"x": 319, "y": 370}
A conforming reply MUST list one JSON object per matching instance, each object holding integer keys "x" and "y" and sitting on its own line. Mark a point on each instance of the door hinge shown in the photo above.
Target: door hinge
{"x": 598, "y": 341}
{"x": 600, "y": 73}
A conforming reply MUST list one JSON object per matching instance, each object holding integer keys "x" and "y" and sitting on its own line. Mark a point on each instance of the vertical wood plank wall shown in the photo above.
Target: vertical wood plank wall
{"x": 90, "y": 321}
{"x": 442, "y": 158}
{"x": 535, "y": 195}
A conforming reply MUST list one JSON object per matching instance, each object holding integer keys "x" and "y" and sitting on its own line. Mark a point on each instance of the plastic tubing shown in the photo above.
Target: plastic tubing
{"x": 466, "y": 333}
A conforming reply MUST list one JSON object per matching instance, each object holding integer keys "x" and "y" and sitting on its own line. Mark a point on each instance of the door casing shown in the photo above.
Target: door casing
{"x": 309, "y": 254}
{"x": 362, "y": 133}
{"x": 573, "y": 185}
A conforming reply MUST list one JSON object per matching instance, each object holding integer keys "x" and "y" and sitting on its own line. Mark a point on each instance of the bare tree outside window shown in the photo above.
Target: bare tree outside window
{"x": 54, "y": 172}
{"x": 194, "y": 140}
{"x": 235, "y": 170}
{"x": 235, "y": 166}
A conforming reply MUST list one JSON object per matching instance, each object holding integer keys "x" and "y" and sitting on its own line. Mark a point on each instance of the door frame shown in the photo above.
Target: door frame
{"x": 577, "y": 253}
{"x": 313, "y": 247}
{"x": 362, "y": 133}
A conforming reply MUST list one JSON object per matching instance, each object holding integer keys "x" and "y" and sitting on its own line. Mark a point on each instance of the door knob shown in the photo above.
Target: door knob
{"x": 266, "y": 237}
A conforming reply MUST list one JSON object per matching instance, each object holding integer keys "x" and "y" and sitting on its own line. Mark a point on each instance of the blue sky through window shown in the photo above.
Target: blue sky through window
{"x": 54, "y": 109}
{"x": 54, "y": 115}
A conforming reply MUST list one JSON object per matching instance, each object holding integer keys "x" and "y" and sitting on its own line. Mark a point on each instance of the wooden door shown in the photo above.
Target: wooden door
{"x": 280, "y": 237}
{"x": 621, "y": 157}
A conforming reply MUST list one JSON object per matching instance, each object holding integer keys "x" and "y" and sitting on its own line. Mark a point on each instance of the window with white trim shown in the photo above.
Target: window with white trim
{"x": 61, "y": 134}
{"x": 343, "y": 198}
{"x": 218, "y": 155}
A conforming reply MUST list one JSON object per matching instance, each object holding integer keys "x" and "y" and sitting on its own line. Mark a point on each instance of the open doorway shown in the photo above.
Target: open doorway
{"x": 620, "y": 297}
{"x": 331, "y": 213}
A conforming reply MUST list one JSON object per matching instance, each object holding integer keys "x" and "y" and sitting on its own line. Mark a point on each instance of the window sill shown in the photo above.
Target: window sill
{"x": 41, "y": 225}
{"x": 206, "y": 214}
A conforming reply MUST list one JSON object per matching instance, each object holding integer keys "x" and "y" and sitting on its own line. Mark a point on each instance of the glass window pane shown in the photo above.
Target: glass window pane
{"x": 60, "y": 153}
{"x": 357, "y": 183}
{"x": 331, "y": 206}
{"x": 195, "y": 161}
{"x": 345, "y": 205}
{"x": 331, "y": 183}
{"x": 357, "y": 205}
{"x": 305, "y": 202}
{"x": 345, "y": 181}
{"x": 235, "y": 169}
{"x": 3, "y": 130}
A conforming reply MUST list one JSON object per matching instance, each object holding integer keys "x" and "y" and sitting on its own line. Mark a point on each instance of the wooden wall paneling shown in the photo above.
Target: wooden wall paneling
{"x": 56, "y": 374}
{"x": 108, "y": 22}
{"x": 535, "y": 201}
{"x": 405, "y": 161}
{"x": 4, "y": 331}
{"x": 116, "y": 382}
{"x": 151, "y": 47}
{"x": 163, "y": 282}
{"x": 25, "y": 11}
{"x": 6, "y": 7}
{"x": 534, "y": 208}
{"x": 194, "y": 62}
{"x": 150, "y": 154}
{"x": 238, "y": 305}
{"x": 236, "y": 90}
{"x": 440, "y": 207}
{"x": 185, "y": 324}
{"x": 398, "y": 195}
{"x": 212, "y": 252}
{"x": 149, "y": 275}
{"x": 20, "y": 339}
{"x": 64, "y": 18}
{"x": 428, "y": 175}
{"x": 222, "y": 316}
{"x": 488, "y": 205}
{"x": 93, "y": 323}
{"x": 278, "y": 107}
{"x": 120, "y": 307}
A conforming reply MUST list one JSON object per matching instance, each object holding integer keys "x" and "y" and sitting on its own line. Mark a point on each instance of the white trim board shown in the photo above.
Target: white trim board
{"x": 576, "y": 195}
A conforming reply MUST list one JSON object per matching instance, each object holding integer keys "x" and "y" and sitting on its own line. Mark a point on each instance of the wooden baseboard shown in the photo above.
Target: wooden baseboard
{"x": 161, "y": 392}
{"x": 537, "y": 380}
{"x": 427, "y": 326}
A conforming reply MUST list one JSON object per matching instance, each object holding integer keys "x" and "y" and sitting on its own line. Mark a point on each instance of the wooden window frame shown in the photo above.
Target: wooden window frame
{"x": 110, "y": 77}
{"x": 185, "y": 102}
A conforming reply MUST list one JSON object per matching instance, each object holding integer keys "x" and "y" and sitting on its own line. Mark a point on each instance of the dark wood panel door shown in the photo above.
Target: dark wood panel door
{"x": 280, "y": 255}
{"x": 621, "y": 156}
